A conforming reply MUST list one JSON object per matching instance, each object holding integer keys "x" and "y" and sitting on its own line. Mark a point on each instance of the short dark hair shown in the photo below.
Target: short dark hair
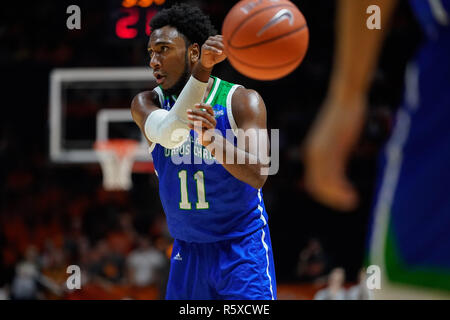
{"x": 190, "y": 21}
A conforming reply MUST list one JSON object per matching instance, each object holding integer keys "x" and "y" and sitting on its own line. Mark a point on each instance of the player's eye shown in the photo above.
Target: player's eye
{"x": 164, "y": 48}
{"x": 150, "y": 53}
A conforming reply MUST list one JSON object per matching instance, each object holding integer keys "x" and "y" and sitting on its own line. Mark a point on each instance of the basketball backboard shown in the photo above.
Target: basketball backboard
{"x": 92, "y": 104}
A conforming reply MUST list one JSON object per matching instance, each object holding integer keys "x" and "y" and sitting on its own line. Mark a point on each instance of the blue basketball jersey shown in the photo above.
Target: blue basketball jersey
{"x": 203, "y": 202}
{"x": 411, "y": 219}
{"x": 433, "y": 16}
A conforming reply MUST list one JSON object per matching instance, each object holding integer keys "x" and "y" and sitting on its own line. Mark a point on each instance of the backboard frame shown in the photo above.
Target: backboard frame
{"x": 58, "y": 153}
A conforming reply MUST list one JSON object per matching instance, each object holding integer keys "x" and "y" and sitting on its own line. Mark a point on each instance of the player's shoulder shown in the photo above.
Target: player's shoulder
{"x": 247, "y": 105}
{"x": 243, "y": 93}
{"x": 148, "y": 94}
{"x": 247, "y": 101}
{"x": 145, "y": 98}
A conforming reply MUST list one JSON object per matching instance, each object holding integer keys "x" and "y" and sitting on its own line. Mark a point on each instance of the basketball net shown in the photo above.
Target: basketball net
{"x": 116, "y": 158}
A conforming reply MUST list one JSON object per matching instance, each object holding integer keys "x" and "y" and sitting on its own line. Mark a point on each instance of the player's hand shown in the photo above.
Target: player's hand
{"x": 327, "y": 150}
{"x": 201, "y": 119}
{"x": 212, "y": 52}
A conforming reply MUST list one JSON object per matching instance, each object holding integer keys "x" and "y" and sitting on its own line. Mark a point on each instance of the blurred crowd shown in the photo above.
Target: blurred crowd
{"x": 120, "y": 255}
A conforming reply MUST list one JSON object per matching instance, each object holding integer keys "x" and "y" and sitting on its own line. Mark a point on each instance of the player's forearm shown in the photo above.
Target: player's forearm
{"x": 201, "y": 73}
{"x": 357, "y": 47}
{"x": 170, "y": 128}
{"x": 248, "y": 169}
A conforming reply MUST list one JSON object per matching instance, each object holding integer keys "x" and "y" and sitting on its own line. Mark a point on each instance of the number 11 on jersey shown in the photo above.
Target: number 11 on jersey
{"x": 199, "y": 177}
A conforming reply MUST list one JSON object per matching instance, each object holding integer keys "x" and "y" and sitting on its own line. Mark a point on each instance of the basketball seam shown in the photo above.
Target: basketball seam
{"x": 266, "y": 67}
{"x": 271, "y": 39}
{"x": 250, "y": 16}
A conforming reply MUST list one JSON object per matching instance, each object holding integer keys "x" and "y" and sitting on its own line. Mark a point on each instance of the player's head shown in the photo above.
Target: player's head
{"x": 175, "y": 44}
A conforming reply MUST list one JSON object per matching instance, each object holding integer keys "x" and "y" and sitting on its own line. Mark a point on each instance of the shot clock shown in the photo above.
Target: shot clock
{"x": 130, "y": 18}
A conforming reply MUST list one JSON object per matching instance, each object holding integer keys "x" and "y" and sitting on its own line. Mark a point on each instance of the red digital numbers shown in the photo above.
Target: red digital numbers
{"x": 150, "y": 14}
{"x": 126, "y": 26}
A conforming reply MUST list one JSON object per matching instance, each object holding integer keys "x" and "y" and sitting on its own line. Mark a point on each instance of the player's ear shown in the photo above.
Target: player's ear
{"x": 194, "y": 53}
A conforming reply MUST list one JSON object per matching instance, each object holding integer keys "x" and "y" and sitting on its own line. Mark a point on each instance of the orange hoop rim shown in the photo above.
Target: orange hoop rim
{"x": 121, "y": 147}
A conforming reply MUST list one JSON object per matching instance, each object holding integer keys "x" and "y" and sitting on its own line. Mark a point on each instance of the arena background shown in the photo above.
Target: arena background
{"x": 54, "y": 215}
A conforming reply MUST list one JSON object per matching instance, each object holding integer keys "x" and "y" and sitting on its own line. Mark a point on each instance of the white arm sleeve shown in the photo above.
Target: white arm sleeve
{"x": 170, "y": 128}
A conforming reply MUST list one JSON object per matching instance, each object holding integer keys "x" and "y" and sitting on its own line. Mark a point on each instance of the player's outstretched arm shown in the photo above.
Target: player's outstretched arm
{"x": 339, "y": 122}
{"x": 249, "y": 112}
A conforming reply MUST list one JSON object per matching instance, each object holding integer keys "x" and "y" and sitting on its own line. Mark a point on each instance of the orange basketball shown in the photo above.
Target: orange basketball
{"x": 265, "y": 39}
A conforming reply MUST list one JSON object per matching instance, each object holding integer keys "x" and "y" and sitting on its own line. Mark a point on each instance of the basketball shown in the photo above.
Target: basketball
{"x": 265, "y": 39}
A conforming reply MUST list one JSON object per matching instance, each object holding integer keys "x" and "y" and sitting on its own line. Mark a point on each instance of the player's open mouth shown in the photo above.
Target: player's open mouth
{"x": 159, "y": 78}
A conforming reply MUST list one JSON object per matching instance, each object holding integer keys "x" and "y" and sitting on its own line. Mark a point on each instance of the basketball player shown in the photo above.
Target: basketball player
{"x": 409, "y": 237}
{"x": 215, "y": 212}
